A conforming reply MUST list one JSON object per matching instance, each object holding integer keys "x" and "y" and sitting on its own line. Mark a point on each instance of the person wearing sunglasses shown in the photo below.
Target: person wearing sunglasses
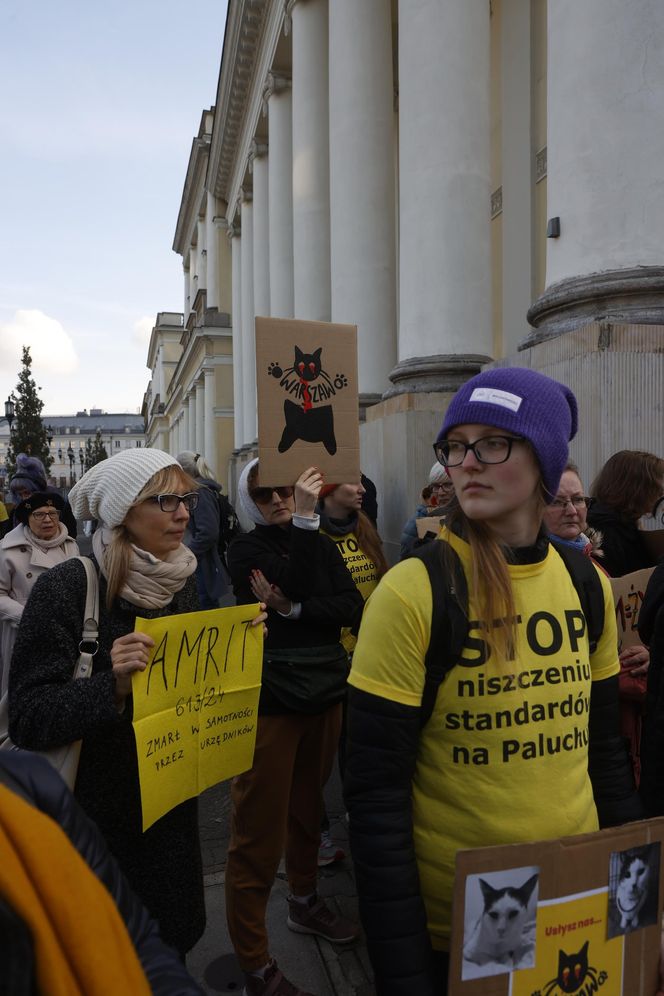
{"x": 142, "y": 499}
{"x": 502, "y": 758}
{"x": 38, "y": 542}
{"x": 287, "y": 563}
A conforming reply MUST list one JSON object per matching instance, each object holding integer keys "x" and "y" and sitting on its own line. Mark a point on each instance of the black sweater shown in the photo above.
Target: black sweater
{"x": 309, "y": 569}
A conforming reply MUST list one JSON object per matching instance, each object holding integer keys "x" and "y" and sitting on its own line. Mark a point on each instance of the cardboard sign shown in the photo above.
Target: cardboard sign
{"x": 628, "y": 594}
{"x": 573, "y": 921}
{"x": 308, "y": 407}
{"x": 195, "y": 704}
{"x": 428, "y": 524}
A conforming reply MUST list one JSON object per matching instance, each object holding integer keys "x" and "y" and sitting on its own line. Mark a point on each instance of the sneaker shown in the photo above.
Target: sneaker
{"x": 314, "y": 917}
{"x": 329, "y": 852}
{"x": 273, "y": 983}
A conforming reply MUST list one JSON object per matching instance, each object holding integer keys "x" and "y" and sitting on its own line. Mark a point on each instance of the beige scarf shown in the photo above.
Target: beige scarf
{"x": 150, "y": 583}
{"x": 58, "y": 540}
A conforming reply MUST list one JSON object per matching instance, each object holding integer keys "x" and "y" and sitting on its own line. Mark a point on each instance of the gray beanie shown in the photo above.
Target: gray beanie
{"x": 108, "y": 490}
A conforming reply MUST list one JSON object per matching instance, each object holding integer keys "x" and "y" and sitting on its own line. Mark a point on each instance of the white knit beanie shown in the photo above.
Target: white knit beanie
{"x": 108, "y": 490}
{"x": 438, "y": 474}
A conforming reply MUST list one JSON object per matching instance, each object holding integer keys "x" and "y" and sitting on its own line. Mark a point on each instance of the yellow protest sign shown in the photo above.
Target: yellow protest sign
{"x": 195, "y": 704}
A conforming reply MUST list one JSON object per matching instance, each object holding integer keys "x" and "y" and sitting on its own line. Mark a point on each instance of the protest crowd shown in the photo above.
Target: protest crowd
{"x": 472, "y": 694}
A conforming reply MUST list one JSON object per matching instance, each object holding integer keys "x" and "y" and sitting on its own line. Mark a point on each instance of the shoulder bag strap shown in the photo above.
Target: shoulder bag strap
{"x": 89, "y": 644}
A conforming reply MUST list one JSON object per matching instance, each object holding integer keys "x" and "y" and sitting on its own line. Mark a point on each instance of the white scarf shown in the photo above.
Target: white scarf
{"x": 59, "y": 539}
{"x": 150, "y": 583}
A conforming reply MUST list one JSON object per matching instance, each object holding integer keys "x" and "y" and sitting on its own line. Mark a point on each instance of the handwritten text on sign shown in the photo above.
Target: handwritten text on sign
{"x": 195, "y": 704}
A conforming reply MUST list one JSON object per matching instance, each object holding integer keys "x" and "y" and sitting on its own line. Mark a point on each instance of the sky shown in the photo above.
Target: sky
{"x": 99, "y": 103}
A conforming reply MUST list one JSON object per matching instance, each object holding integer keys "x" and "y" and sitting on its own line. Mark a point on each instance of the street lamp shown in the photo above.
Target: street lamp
{"x": 49, "y": 434}
{"x": 81, "y": 457}
{"x": 9, "y": 412}
{"x": 71, "y": 457}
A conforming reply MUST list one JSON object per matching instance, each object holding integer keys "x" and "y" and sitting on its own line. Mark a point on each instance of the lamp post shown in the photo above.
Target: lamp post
{"x": 71, "y": 457}
{"x": 9, "y": 413}
{"x": 81, "y": 457}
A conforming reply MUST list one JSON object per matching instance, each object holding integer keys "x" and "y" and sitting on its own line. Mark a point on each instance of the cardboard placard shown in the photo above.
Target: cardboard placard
{"x": 581, "y": 925}
{"x": 428, "y": 524}
{"x": 308, "y": 407}
{"x": 628, "y": 594}
{"x": 195, "y": 704}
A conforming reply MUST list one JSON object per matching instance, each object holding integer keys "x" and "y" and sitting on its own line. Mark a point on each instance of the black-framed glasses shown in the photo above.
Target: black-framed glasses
{"x": 264, "y": 495}
{"x": 578, "y": 501}
{"x": 40, "y": 514}
{"x": 489, "y": 449}
{"x": 169, "y": 503}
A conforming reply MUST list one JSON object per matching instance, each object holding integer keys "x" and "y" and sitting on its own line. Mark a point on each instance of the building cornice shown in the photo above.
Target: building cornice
{"x": 193, "y": 195}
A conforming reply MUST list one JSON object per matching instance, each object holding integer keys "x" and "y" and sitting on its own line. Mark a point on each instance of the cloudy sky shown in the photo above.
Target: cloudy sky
{"x": 99, "y": 103}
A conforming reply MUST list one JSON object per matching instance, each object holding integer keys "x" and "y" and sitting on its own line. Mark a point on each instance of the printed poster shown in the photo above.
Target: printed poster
{"x": 308, "y": 406}
{"x": 195, "y": 704}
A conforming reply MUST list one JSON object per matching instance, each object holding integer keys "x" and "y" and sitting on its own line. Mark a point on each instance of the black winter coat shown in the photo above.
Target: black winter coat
{"x": 36, "y": 782}
{"x": 309, "y": 569}
{"x": 623, "y": 549}
{"x": 651, "y": 631}
{"x": 48, "y": 709}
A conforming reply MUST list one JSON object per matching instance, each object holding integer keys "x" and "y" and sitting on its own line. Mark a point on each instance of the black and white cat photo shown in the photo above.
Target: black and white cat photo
{"x": 499, "y": 922}
{"x": 633, "y": 889}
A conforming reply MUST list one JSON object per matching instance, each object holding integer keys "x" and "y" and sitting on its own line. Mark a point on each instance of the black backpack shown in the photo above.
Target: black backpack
{"x": 229, "y": 524}
{"x": 449, "y": 618}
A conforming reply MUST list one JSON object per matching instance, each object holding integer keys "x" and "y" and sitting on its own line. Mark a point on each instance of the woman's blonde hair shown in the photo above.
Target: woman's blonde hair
{"x": 490, "y": 582}
{"x": 118, "y": 552}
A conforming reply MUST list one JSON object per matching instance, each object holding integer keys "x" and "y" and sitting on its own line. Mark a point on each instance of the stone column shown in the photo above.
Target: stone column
{"x": 193, "y": 275}
{"x": 311, "y": 171}
{"x": 280, "y": 193}
{"x": 212, "y": 244}
{"x": 605, "y": 148}
{"x": 210, "y": 443}
{"x": 258, "y": 163}
{"x": 200, "y": 418}
{"x": 187, "y": 292}
{"x": 236, "y": 251}
{"x": 444, "y": 201}
{"x": 185, "y": 423}
{"x": 362, "y": 184}
{"x": 248, "y": 390}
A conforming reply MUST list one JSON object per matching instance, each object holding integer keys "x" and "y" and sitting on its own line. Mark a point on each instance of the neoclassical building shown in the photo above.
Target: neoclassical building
{"x": 466, "y": 181}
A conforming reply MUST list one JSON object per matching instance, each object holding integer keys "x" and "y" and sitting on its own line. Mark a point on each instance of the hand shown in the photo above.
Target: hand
{"x": 128, "y": 654}
{"x": 260, "y": 619}
{"x": 307, "y": 489}
{"x": 636, "y": 660}
{"x": 268, "y": 593}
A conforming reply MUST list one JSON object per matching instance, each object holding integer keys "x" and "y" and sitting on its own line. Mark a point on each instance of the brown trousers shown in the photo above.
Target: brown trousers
{"x": 277, "y": 808}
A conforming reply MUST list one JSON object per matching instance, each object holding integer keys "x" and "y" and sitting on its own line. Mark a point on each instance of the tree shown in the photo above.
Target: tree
{"x": 28, "y": 433}
{"x": 95, "y": 451}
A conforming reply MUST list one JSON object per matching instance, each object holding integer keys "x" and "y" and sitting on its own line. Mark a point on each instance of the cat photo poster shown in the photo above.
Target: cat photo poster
{"x": 499, "y": 922}
{"x": 308, "y": 404}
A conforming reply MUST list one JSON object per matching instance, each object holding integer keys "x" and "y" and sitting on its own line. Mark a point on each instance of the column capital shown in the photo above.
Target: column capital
{"x": 233, "y": 231}
{"x": 288, "y": 15}
{"x": 275, "y": 82}
{"x": 257, "y": 150}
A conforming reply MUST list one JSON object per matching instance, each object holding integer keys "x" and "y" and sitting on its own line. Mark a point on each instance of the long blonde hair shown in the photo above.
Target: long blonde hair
{"x": 117, "y": 556}
{"x": 490, "y": 581}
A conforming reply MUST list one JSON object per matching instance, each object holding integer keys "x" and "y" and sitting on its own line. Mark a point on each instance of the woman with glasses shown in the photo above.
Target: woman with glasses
{"x": 516, "y": 724}
{"x": 287, "y": 563}
{"x": 142, "y": 499}
{"x": 37, "y": 543}
{"x": 629, "y": 485}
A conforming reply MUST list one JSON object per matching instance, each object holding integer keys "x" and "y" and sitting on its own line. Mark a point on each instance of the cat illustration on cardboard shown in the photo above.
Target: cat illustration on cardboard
{"x": 307, "y": 381}
{"x": 503, "y": 935}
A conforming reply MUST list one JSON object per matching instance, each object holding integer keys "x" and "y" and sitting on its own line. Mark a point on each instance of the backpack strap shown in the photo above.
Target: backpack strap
{"x": 449, "y": 618}
{"x": 588, "y": 587}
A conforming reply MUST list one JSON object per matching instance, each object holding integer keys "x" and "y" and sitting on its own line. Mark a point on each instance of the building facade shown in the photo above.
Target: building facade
{"x": 467, "y": 181}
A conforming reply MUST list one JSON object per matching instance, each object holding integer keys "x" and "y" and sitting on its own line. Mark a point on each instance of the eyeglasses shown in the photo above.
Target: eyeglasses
{"x": 169, "y": 503}
{"x": 489, "y": 449}
{"x": 578, "y": 501}
{"x": 41, "y": 515}
{"x": 264, "y": 495}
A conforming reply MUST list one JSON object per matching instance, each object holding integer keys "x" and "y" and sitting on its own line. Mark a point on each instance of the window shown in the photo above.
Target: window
{"x": 117, "y": 444}
{"x": 138, "y": 442}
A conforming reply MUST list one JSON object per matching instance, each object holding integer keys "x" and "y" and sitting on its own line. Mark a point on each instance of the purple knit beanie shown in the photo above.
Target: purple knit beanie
{"x": 526, "y": 403}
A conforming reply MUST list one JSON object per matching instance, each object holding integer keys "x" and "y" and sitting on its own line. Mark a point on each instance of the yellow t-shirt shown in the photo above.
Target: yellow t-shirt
{"x": 504, "y": 757}
{"x": 363, "y": 572}
{"x": 4, "y": 515}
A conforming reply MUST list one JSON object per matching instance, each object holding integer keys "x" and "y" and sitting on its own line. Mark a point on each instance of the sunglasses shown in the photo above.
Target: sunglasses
{"x": 168, "y": 503}
{"x": 262, "y": 496}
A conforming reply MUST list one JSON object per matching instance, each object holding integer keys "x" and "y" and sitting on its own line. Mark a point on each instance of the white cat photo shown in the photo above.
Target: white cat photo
{"x": 499, "y": 922}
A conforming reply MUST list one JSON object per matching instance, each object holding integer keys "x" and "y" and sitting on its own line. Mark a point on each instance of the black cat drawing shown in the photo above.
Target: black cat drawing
{"x": 573, "y": 972}
{"x": 312, "y": 424}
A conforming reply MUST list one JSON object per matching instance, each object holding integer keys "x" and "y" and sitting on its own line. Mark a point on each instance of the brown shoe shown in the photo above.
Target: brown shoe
{"x": 273, "y": 983}
{"x": 315, "y": 917}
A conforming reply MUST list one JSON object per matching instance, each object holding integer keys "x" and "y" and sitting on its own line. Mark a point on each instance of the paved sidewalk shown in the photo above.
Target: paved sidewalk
{"x": 317, "y": 966}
